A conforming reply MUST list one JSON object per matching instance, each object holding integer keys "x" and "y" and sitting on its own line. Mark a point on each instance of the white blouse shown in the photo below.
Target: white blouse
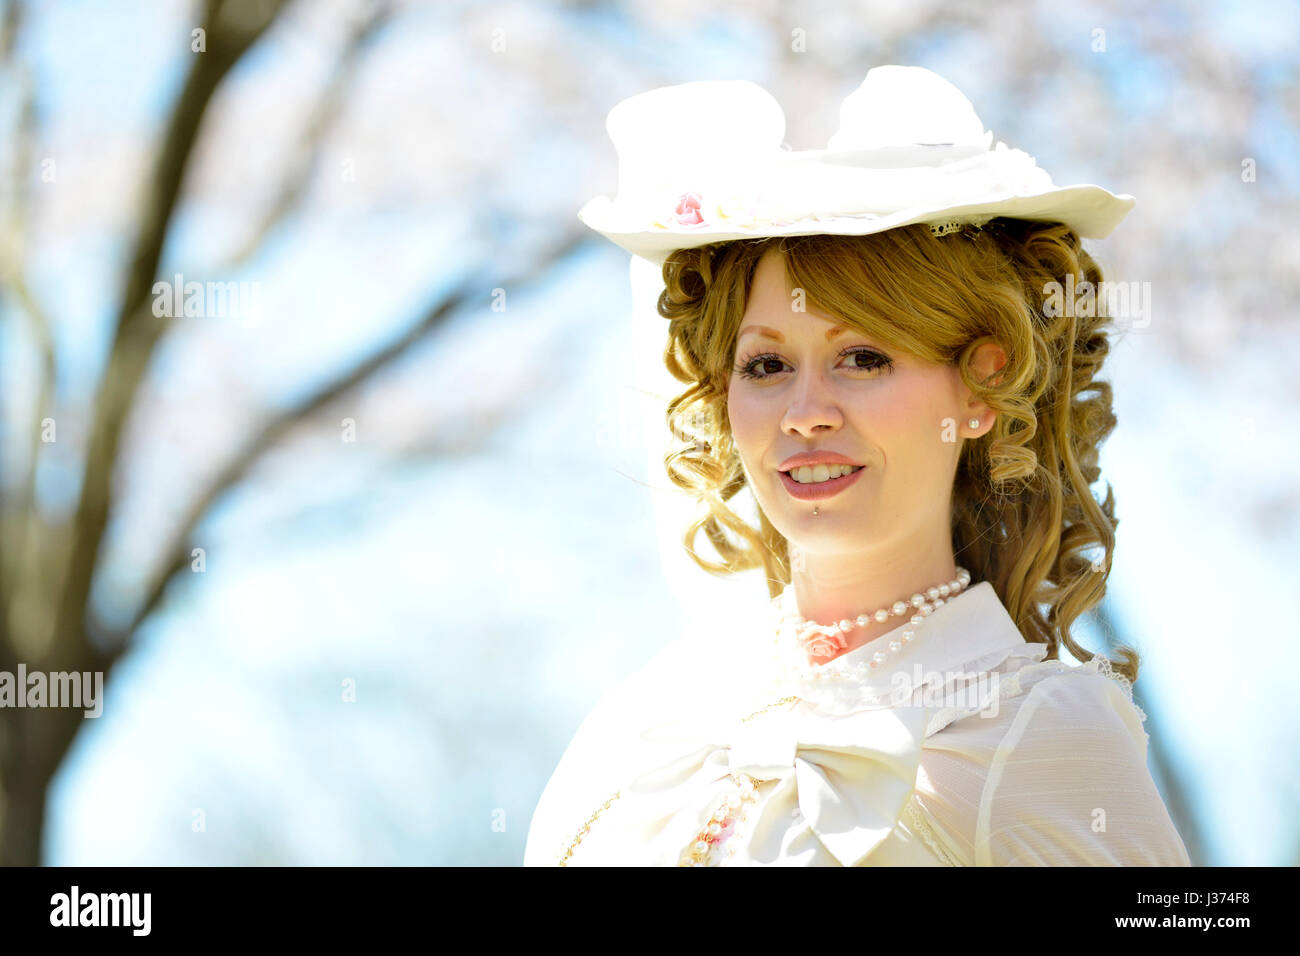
{"x": 965, "y": 749}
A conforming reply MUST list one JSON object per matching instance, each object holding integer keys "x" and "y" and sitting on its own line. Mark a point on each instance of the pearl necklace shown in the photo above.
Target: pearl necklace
{"x": 821, "y": 640}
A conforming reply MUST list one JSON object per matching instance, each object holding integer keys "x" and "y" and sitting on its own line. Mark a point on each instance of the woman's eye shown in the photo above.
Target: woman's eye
{"x": 769, "y": 364}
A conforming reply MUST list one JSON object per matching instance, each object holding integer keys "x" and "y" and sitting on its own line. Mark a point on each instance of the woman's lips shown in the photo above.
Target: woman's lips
{"x": 821, "y": 489}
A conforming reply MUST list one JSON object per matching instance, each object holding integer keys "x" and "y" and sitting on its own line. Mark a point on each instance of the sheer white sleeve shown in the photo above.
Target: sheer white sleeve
{"x": 1069, "y": 786}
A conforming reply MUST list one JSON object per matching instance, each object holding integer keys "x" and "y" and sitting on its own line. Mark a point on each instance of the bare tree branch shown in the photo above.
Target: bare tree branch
{"x": 10, "y": 25}
{"x": 231, "y": 27}
{"x": 24, "y": 564}
{"x": 14, "y": 518}
{"x": 300, "y": 170}
{"x": 179, "y": 547}
{"x": 22, "y": 528}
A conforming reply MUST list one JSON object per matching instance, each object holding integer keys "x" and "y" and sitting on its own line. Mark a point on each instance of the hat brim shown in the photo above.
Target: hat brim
{"x": 1091, "y": 211}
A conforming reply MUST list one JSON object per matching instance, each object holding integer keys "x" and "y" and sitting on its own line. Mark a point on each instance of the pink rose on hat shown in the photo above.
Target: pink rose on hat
{"x": 687, "y": 212}
{"x": 734, "y": 209}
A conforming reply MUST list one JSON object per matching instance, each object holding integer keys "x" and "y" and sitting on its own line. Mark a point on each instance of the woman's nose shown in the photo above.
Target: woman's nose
{"x": 812, "y": 407}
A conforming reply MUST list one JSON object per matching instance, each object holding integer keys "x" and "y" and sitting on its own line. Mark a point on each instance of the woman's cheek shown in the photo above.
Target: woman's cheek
{"x": 739, "y": 419}
{"x": 742, "y": 436}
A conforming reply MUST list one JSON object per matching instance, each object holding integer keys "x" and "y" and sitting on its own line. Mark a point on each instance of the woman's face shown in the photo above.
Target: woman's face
{"x": 815, "y": 389}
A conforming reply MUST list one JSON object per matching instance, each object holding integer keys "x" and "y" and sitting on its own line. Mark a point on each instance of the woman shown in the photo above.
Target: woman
{"x": 874, "y": 344}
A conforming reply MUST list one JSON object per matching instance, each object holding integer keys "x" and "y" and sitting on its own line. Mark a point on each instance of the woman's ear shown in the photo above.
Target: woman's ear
{"x": 987, "y": 359}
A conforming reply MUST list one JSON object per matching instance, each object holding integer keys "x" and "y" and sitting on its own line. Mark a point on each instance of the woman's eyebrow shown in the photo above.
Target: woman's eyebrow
{"x": 769, "y": 333}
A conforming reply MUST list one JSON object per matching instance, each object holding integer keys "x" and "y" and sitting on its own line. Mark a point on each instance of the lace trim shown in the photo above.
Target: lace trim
{"x": 919, "y": 825}
{"x": 1102, "y": 665}
{"x": 944, "y": 228}
{"x": 1013, "y": 684}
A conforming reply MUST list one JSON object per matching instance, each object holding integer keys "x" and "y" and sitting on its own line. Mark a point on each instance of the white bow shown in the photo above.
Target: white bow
{"x": 852, "y": 776}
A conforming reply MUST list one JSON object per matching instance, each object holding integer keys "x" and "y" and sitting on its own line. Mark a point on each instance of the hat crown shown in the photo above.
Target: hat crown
{"x": 710, "y": 132}
{"x": 906, "y": 106}
{"x": 695, "y": 132}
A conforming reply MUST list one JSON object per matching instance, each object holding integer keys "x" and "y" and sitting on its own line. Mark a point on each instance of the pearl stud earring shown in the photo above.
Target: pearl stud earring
{"x": 974, "y": 423}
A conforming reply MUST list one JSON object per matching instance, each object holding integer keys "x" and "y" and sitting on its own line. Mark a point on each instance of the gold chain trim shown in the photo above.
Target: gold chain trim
{"x": 586, "y": 827}
{"x": 763, "y": 710}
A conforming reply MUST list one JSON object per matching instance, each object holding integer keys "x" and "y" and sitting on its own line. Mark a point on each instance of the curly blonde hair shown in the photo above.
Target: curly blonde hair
{"x": 1023, "y": 514}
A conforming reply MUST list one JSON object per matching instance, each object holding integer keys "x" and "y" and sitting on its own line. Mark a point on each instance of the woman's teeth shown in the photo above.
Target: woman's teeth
{"x": 812, "y": 474}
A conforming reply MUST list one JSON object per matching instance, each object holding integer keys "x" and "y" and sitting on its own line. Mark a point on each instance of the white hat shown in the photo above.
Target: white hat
{"x": 705, "y": 162}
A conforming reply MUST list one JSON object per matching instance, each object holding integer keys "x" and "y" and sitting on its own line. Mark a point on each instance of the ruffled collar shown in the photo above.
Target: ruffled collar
{"x": 964, "y": 637}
